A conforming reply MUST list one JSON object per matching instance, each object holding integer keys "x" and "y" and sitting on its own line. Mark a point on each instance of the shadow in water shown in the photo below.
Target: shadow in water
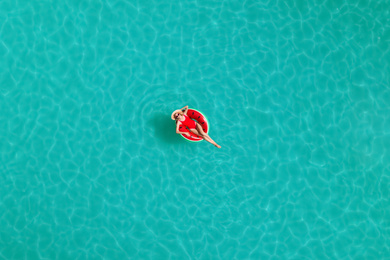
{"x": 165, "y": 128}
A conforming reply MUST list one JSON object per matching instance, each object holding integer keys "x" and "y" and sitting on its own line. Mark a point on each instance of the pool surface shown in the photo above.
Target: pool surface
{"x": 297, "y": 93}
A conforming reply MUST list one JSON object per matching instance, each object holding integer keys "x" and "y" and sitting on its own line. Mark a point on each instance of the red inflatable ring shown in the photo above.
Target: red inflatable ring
{"x": 201, "y": 119}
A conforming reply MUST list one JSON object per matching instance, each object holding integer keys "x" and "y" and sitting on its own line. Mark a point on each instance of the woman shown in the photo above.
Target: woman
{"x": 182, "y": 119}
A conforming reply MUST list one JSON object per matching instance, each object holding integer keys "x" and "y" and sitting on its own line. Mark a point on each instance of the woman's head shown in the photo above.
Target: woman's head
{"x": 175, "y": 114}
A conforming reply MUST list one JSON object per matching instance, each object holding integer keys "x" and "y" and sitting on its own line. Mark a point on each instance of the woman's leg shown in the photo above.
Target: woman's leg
{"x": 205, "y": 135}
{"x": 194, "y": 131}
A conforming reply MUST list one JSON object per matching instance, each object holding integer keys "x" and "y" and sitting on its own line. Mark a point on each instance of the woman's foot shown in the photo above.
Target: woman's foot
{"x": 218, "y": 146}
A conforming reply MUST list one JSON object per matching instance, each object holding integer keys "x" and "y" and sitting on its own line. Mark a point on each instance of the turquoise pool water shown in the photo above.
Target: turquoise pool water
{"x": 297, "y": 94}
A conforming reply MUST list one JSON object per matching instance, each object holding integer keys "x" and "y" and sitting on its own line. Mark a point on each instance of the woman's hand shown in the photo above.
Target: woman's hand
{"x": 184, "y": 108}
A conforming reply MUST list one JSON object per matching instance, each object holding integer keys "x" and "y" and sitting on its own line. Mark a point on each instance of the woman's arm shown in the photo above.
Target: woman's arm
{"x": 185, "y": 110}
{"x": 178, "y": 131}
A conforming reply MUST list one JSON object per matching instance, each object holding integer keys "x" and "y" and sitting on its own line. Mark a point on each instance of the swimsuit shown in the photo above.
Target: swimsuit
{"x": 191, "y": 124}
